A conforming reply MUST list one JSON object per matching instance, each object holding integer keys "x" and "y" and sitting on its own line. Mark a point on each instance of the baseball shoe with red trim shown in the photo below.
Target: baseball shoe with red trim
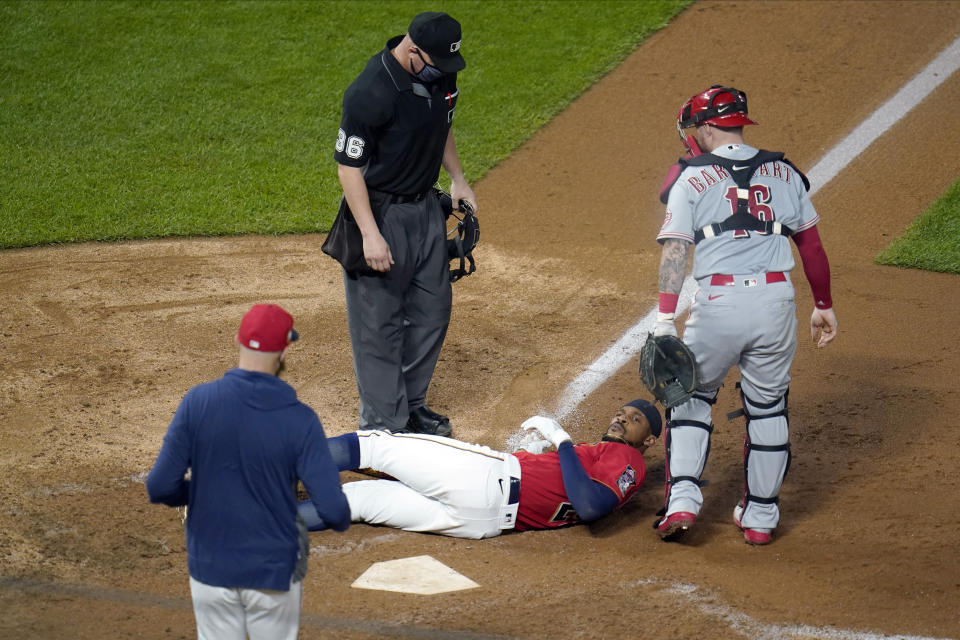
{"x": 673, "y": 526}
{"x": 751, "y": 536}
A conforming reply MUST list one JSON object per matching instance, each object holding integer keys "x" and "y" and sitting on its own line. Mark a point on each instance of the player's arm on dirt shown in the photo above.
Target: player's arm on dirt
{"x": 375, "y": 248}
{"x": 816, "y": 267}
{"x": 673, "y": 269}
{"x": 590, "y": 499}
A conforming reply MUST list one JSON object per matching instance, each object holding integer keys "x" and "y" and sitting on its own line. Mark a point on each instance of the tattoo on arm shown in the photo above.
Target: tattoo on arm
{"x": 673, "y": 265}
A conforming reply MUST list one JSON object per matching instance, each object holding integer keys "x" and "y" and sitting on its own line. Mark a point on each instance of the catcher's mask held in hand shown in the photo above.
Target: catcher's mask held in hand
{"x": 668, "y": 369}
{"x": 462, "y": 238}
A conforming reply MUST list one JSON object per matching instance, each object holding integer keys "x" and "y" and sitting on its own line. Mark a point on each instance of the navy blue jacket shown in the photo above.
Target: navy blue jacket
{"x": 246, "y": 440}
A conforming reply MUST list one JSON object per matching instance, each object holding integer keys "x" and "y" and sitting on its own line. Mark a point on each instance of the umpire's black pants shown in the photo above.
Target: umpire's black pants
{"x": 398, "y": 320}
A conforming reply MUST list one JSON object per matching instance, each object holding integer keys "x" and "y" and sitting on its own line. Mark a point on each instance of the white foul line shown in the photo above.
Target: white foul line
{"x": 909, "y": 96}
{"x": 829, "y": 166}
{"x": 746, "y": 626}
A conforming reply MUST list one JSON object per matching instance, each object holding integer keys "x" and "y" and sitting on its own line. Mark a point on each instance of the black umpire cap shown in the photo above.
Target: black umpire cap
{"x": 439, "y": 35}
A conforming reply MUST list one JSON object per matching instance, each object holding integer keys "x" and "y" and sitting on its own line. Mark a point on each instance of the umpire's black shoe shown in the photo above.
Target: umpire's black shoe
{"x": 422, "y": 420}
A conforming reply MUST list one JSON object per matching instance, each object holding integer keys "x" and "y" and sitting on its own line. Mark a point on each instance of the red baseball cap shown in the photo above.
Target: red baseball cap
{"x": 267, "y": 327}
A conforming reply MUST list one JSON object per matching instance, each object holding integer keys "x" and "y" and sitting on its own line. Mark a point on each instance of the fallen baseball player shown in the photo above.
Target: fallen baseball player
{"x": 433, "y": 484}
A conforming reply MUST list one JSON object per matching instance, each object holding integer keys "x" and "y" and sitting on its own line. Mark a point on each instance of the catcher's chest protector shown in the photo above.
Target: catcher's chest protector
{"x": 741, "y": 171}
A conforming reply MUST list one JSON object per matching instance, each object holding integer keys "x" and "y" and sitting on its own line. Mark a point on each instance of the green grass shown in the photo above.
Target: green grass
{"x": 932, "y": 241}
{"x": 133, "y": 119}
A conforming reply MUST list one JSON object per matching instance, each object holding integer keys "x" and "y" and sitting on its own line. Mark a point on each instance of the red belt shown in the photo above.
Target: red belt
{"x": 721, "y": 280}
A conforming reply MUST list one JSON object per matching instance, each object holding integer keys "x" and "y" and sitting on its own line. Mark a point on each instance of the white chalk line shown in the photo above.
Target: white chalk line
{"x": 615, "y": 357}
{"x": 624, "y": 349}
{"x": 909, "y": 96}
{"x": 748, "y": 627}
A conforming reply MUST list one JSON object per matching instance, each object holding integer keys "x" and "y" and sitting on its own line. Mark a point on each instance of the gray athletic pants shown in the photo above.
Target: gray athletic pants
{"x": 398, "y": 320}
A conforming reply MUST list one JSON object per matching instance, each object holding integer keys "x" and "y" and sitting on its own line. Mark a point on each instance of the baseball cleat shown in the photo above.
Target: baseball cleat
{"x": 757, "y": 536}
{"x": 423, "y": 420}
{"x": 673, "y": 526}
{"x": 751, "y": 536}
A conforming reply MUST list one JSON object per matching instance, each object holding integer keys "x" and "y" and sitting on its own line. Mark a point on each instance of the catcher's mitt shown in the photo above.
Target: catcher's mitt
{"x": 668, "y": 369}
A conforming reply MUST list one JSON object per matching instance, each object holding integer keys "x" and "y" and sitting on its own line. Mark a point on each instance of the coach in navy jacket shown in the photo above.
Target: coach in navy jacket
{"x": 246, "y": 440}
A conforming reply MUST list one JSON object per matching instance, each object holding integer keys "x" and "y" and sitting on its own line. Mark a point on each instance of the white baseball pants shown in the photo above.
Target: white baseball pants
{"x": 442, "y": 485}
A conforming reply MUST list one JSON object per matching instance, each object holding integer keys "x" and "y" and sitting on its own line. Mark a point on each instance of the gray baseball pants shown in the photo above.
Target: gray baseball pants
{"x": 398, "y": 320}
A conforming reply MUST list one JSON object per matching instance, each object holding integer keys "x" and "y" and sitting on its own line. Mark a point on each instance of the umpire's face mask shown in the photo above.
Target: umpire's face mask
{"x": 429, "y": 73}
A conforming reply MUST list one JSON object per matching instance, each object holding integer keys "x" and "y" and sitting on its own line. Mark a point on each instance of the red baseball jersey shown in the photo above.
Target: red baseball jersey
{"x": 543, "y": 500}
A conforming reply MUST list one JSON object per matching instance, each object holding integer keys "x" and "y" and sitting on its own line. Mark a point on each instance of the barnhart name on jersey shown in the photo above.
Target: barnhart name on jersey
{"x": 712, "y": 188}
{"x": 714, "y": 174}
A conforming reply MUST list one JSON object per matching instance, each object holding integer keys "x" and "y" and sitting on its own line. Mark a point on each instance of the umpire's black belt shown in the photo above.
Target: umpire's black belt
{"x": 397, "y": 198}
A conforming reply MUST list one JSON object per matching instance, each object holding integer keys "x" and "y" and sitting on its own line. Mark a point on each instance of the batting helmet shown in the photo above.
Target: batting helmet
{"x": 720, "y": 106}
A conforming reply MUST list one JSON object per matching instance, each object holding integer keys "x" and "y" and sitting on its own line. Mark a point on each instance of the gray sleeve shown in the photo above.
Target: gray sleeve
{"x": 303, "y": 538}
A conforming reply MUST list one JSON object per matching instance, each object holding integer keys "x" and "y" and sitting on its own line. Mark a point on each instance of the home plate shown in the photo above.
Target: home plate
{"x": 420, "y": 574}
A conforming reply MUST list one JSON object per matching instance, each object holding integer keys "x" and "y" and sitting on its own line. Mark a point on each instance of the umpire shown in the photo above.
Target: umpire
{"x": 395, "y": 134}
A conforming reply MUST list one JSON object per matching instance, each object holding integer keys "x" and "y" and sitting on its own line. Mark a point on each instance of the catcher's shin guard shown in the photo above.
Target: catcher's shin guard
{"x": 687, "y": 444}
{"x": 766, "y": 459}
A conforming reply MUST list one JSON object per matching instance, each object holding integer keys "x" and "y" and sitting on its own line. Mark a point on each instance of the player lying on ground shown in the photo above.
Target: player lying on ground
{"x": 442, "y": 485}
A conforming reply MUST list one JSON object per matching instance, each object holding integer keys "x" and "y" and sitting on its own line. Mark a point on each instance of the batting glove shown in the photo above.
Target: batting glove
{"x": 548, "y": 428}
{"x": 665, "y": 325}
{"x": 536, "y": 446}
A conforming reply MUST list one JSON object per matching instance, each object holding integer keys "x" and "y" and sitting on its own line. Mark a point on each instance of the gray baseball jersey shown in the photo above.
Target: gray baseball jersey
{"x": 708, "y": 194}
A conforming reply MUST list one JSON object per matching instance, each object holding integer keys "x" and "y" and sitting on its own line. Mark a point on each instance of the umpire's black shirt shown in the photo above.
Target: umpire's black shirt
{"x": 395, "y": 125}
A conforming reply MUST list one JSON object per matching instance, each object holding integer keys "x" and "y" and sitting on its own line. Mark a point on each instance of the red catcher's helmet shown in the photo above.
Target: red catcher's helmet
{"x": 720, "y": 106}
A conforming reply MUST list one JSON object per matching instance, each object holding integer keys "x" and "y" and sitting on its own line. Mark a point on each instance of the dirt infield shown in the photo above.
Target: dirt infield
{"x": 101, "y": 341}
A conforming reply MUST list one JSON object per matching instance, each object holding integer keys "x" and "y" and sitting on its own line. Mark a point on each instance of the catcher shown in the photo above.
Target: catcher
{"x": 440, "y": 485}
{"x": 740, "y": 207}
